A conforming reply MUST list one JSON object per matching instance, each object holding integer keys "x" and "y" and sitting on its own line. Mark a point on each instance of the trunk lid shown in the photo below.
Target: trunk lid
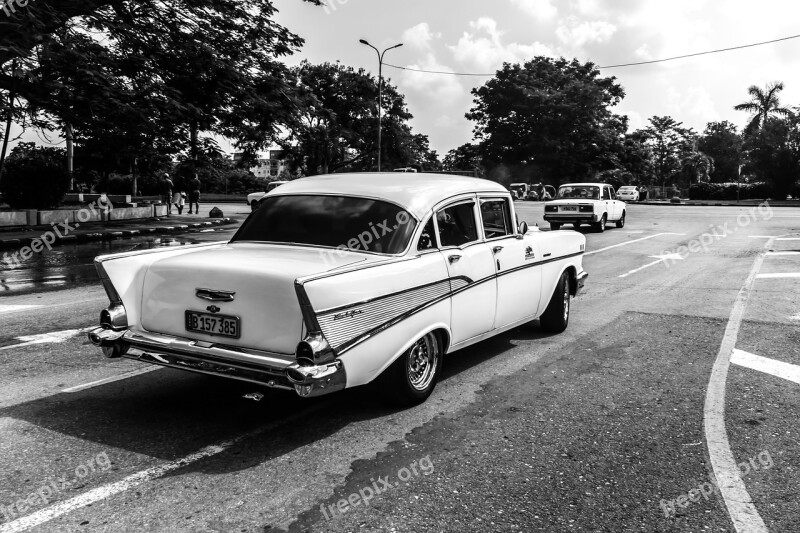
{"x": 261, "y": 276}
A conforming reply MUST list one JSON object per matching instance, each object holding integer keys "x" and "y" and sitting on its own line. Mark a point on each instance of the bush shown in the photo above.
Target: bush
{"x": 728, "y": 191}
{"x": 35, "y": 177}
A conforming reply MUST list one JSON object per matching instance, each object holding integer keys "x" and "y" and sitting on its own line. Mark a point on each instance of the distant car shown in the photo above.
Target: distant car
{"x": 519, "y": 190}
{"x": 340, "y": 280}
{"x": 405, "y": 169}
{"x": 541, "y": 193}
{"x": 254, "y": 199}
{"x": 628, "y": 193}
{"x": 595, "y": 204}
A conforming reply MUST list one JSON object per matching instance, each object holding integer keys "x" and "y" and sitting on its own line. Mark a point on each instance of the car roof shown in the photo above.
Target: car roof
{"x": 416, "y": 192}
{"x": 583, "y": 184}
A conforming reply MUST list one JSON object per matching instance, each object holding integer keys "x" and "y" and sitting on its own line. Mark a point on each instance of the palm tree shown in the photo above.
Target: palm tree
{"x": 764, "y": 104}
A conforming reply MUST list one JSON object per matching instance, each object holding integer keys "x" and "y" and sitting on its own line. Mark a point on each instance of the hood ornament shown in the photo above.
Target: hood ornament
{"x": 213, "y": 295}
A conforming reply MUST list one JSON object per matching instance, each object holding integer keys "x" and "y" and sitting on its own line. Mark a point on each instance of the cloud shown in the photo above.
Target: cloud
{"x": 543, "y": 10}
{"x": 420, "y": 36}
{"x": 483, "y": 47}
{"x": 576, "y": 34}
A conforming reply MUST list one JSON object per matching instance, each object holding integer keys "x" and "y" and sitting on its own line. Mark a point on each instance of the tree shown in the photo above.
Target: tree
{"x": 334, "y": 127}
{"x": 721, "y": 141}
{"x": 636, "y": 158}
{"x": 548, "y": 116}
{"x": 764, "y": 104}
{"x": 465, "y": 157}
{"x": 774, "y": 155}
{"x": 670, "y": 144}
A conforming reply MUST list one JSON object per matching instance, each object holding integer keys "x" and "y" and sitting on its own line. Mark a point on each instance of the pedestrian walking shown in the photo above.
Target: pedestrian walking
{"x": 179, "y": 199}
{"x": 194, "y": 195}
{"x": 166, "y": 192}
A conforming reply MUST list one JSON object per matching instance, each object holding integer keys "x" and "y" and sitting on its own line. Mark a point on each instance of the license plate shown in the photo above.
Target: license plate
{"x": 569, "y": 208}
{"x": 219, "y": 325}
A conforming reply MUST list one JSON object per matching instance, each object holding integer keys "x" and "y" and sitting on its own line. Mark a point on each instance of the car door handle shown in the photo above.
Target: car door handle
{"x": 497, "y": 249}
{"x": 454, "y": 258}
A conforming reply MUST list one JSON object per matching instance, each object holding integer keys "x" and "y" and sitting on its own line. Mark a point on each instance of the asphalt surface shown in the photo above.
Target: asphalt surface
{"x": 600, "y": 428}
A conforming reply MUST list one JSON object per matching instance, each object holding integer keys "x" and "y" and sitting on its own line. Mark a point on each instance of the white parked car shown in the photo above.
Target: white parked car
{"x": 585, "y": 203}
{"x": 254, "y": 199}
{"x": 341, "y": 280}
{"x": 628, "y": 193}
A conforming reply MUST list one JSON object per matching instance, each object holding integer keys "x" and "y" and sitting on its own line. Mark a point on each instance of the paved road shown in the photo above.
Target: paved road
{"x": 600, "y": 428}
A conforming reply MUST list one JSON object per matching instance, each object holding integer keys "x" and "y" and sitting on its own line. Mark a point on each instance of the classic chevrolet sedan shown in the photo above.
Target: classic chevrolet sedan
{"x": 337, "y": 281}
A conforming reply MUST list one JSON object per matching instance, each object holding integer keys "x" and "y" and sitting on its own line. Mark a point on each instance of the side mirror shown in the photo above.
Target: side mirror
{"x": 523, "y": 228}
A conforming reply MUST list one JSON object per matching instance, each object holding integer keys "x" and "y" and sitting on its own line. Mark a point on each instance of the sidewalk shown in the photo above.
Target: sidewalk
{"x": 726, "y": 203}
{"x": 97, "y": 231}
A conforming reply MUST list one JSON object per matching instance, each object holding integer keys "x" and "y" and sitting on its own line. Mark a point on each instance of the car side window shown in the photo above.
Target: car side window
{"x": 457, "y": 224}
{"x": 611, "y": 194}
{"x": 427, "y": 239}
{"x": 496, "y": 218}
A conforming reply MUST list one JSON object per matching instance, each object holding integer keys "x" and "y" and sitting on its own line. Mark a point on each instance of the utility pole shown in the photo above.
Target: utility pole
{"x": 380, "y": 90}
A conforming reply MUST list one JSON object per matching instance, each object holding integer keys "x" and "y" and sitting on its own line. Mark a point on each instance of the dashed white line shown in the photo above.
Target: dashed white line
{"x": 629, "y": 242}
{"x": 780, "y": 275}
{"x": 46, "y": 338}
{"x": 15, "y": 308}
{"x": 779, "y": 369}
{"x": 783, "y": 253}
{"x": 112, "y": 379}
{"x": 106, "y": 491}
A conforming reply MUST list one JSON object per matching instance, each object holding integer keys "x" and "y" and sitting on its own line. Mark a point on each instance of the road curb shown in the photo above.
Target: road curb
{"x": 111, "y": 234}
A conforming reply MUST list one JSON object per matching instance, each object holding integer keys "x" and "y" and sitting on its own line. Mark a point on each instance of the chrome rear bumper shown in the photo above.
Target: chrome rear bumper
{"x": 280, "y": 371}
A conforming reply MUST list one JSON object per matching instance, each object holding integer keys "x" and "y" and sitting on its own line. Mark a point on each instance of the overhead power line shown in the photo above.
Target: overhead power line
{"x": 633, "y": 64}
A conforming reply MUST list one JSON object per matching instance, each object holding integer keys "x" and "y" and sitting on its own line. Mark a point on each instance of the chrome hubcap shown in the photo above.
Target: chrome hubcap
{"x": 423, "y": 358}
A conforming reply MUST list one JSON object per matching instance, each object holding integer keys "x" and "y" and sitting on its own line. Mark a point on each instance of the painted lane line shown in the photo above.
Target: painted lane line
{"x": 775, "y": 368}
{"x": 788, "y": 239}
{"x": 53, "y": 337}
{"x": 783, "y": 253}
{"x": 629, "y": 242}
{"x": 780, "y": 275}
{"x": 112, "y": 379}
{"x": 16, "y": 308}
{"x": 724, "y": 469}
{"x": 134, "y": 480}
{"x": 762, "y": 237}
{"x": 660, "y": 259}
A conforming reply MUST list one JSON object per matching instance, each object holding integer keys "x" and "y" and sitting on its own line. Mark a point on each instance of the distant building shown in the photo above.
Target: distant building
{"x": 270, "y": 164}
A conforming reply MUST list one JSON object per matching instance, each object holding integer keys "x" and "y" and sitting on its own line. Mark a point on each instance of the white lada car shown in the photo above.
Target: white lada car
{"x": 595, "y": 204}
{"x": 341, "y": 280}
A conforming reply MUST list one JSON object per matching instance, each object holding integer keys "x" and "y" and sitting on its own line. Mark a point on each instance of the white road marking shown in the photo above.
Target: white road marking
{"x": 762, "y": 236}
{"x": 660, "y": 259}
{"x": 14, "y": 308}
{"x": 795, "y": 317}
{"x": 629, "y": 242}
{"x": 46, "y": 338}
{"x": 788, "y": 239}
{"x": 741, "y": 509}
{"x": 780, "y": 275}
{"x": 783, "y": 253}
{"x": 151, "y": 474}
{"x": 768, "y": 366}
{"x": 112, "y": 379}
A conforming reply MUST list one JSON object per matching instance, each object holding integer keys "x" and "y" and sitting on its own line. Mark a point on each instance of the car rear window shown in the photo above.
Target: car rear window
{"x": 360, "y": 224}
{"x": 583, "y": 192}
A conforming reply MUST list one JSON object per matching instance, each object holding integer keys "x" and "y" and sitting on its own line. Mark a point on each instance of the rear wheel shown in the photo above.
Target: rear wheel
{"x": 600, "y": 226}
{"x": 554, "y": 226}
{"x": 576, "y": 225}
{"x": 412, "y": 378}
{"x": 556, "y": 317}
{"x": 621, "y": 221}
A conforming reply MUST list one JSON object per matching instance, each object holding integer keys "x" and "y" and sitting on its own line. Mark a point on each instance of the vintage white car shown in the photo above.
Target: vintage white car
{"x": 595, "y": 204}
{"x": 343, "y": 279}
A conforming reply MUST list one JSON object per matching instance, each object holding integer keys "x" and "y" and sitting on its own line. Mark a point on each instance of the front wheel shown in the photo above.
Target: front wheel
{"x": 554, "y": 226}
{"x": 621, "y": 221}
{"x": 412, "y": 378}
{"x": 556, "y": 317}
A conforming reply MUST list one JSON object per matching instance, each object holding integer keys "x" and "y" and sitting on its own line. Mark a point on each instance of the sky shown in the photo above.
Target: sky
{"x": 478, "y": 36}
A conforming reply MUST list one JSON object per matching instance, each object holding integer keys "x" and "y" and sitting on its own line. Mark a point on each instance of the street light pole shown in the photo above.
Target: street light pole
{"x": 380, "y": 89}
